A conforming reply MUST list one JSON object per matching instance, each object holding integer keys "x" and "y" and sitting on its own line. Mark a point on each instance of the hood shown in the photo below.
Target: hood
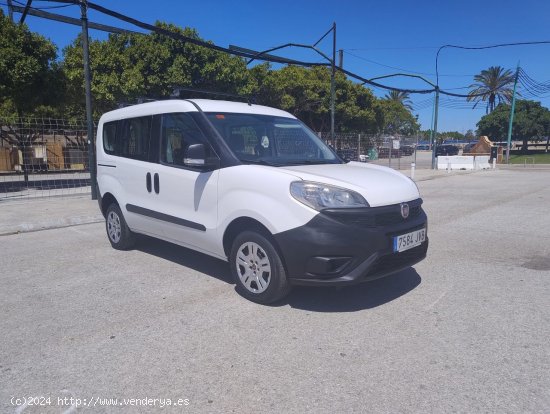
{"x": 379, "y": 185}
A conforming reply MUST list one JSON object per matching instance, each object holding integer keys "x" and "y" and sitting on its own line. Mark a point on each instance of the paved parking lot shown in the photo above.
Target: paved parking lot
{"x": 466, "y": 330}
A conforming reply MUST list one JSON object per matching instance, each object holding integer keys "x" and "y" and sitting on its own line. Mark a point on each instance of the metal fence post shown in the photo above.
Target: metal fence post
{"x": 87, "y": 83}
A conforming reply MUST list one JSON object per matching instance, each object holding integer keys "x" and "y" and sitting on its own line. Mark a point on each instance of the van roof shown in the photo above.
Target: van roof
{"x": 185, "y": 105}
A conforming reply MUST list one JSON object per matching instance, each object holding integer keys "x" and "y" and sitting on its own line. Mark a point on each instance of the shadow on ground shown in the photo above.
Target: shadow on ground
{"x": 185, "y": 257}
{"x": 366, "y": 295}
{"x": 316, "y": 299}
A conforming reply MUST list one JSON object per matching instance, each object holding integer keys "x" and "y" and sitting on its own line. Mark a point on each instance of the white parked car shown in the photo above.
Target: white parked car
{"x": 254, "y": 186}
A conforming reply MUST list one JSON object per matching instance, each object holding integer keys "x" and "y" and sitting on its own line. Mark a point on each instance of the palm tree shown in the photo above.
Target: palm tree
{"x": 491, "y": 85}
{"x": 401, "y": 97}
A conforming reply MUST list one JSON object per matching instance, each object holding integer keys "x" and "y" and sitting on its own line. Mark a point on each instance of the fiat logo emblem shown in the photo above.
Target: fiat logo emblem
{"x": 404, "y": 210}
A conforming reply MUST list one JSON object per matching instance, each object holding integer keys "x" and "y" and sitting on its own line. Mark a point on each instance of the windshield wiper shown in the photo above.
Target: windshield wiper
{"x": 259, "y": 162}
{"x": 310, "y": 162}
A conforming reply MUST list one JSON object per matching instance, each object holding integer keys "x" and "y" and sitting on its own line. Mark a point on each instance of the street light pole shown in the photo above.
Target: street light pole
{"x": 434, "y": 139}
{"x": 88, "y": 88}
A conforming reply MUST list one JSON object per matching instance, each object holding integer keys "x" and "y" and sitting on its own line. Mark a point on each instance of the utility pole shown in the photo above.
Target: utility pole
{"x": 88, "y": 87}
{"x": 341, "y": 58}
{"x": 434, "y": 138}
{"x": 432, "y": 128}
{"x": 332, "y": 86}
{"x": 512, "y": 109}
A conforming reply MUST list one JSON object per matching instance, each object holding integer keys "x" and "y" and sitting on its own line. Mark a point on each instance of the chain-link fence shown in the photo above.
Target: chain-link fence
{"x": 42, "y": 157}
{"x": 395, "y": 151}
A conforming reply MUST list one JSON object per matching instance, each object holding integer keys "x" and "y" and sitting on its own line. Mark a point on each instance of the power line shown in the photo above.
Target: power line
{"x": 531, "y": 88}
{"x": 539, "y": 42}
{"x": 237, "y": 52}
{"x": 398, "y": 68}
{"x": 393, "y": 48}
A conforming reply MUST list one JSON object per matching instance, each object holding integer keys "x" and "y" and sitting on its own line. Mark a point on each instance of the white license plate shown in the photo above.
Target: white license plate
{"x": 409, "y": 240}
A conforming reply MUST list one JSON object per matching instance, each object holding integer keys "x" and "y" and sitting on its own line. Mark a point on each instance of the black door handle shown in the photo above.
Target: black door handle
{"x": 156, "y": 182}
{"x": 148, "y": 182}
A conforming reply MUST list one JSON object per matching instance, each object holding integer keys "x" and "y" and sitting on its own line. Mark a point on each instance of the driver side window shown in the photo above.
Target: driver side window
{"x": 179, "y": 131}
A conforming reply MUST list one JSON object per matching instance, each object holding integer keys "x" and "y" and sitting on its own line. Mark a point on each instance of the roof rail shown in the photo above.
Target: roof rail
{"x": 176, "y": 93}
{"x": 139, "y": 100}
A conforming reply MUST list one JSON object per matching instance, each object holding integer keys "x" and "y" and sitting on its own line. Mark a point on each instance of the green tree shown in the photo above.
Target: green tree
{"x": 397, "y": 119}
{"x": 127, "y": 67}
{"x": 306, "y": 94}
{"x": 455, "y": 135}
{"x": 531, "y": 122}
{"x": 492, "y": 85}
{"x": 303, "y": 92}
{"x": 402, "y": 97}
{"x": 30, "y": 78}
{"x": 357, "y": 109}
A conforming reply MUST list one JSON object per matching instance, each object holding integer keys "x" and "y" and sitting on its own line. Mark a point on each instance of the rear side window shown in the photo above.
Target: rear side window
{"x": 109, "y": 137}
{"x": 133, "y": 138}
{"x": 179, "y": 131}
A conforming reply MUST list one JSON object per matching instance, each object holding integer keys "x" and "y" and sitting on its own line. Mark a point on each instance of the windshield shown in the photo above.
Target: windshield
{"x": 271, "y": 140}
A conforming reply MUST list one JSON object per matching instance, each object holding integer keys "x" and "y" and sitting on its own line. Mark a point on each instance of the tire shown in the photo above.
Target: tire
{"x": 118, "y": 233}
{"x": 258, "y": 269}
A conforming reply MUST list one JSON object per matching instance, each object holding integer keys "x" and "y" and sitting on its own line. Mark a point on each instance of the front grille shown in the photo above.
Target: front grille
{"x": 386, "y": 219}
{"x": 376, "y": 216}
{"x": 387, "y": 263}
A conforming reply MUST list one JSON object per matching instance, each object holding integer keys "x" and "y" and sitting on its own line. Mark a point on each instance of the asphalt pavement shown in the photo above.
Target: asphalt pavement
{"x": 44, "y": 212}
{"x": 464, "y": 331}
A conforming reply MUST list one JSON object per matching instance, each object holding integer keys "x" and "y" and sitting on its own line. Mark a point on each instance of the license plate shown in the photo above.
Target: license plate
{"x": 409, "y": 240}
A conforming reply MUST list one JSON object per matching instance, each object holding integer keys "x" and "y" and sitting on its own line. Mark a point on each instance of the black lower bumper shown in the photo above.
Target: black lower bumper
{"x": 337, "y": 248}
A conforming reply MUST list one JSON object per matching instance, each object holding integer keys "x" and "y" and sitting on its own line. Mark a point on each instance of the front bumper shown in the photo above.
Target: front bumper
{"x": 340, "y": 247}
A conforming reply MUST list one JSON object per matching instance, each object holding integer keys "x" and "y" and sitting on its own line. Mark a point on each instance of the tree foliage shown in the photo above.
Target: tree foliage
{"x": 397, "y": 119}
{"x": 492, "y": 85}
{"x": 130, "y": 66}
{"x": 531, "y": 122}
{"x": 449, "y": 135}
{"x": 126, "y": 67}
{"x": 30, "y": 78}
{"x": 401, "y": 97}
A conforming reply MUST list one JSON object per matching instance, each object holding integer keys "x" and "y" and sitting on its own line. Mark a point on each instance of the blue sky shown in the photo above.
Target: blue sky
{"x": 378, "y": 37}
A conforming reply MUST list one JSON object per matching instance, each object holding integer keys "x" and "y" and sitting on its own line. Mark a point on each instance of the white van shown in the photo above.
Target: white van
{"x": 254, "y": 186}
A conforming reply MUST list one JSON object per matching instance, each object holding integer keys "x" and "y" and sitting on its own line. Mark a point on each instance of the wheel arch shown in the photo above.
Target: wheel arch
{"x": 106, "y": 200}
{"x": 241, "y": 224}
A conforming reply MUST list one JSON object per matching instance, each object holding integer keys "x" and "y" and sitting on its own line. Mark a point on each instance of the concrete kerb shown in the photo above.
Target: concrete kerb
{"x": 23, "y": 216}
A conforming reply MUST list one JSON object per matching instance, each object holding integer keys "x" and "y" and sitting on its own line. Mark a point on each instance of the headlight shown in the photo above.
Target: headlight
{"x": 319, "y": 196}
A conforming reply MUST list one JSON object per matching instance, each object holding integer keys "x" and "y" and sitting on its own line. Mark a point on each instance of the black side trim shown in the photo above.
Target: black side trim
{"x": 105, "y": 165}
{"x": 164, "y": 217}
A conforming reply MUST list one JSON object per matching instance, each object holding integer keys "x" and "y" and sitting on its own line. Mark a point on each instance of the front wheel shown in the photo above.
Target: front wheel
{"x": 258, "y": 269}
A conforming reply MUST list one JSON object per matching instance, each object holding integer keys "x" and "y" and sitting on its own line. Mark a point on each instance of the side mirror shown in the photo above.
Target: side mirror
{"x": 196, "y": 157}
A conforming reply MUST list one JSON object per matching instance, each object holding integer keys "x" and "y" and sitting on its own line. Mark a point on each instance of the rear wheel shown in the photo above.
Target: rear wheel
{"x": 120, "y": 236}
{"x": 258, "y": 269}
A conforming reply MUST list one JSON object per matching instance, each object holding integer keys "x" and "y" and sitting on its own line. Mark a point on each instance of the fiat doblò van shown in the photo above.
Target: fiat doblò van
{"x": 254, "y": 186}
